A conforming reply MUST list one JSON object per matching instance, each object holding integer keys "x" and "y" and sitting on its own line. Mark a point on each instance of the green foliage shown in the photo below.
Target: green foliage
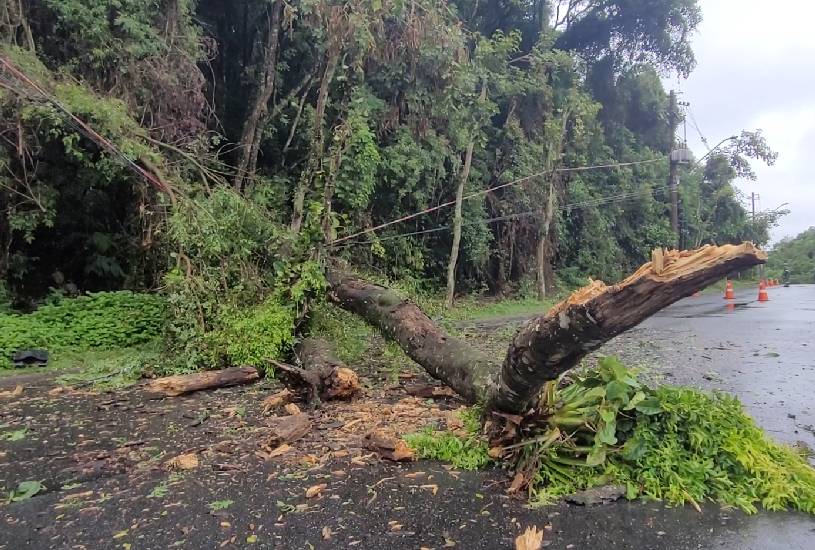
{"x": 255, "y": 336}
{"x": 14, "y": 435}
{"x": 674, "y": 444}
{"x": 113, "y": 369}
{"x": 25, "y": 490}
{"x": 104, "y": 320}
{"x": 351, "y": 335}
{"x": 797, "y": 255}
{"x": 220, "y": 505}
{"x": 235, "y": 296}
{"x": 468, "y": 451}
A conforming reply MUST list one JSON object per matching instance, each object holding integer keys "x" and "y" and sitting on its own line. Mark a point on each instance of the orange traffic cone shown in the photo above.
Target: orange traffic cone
{"x": 728, "y": 291}
{"x": 762, "y": 293}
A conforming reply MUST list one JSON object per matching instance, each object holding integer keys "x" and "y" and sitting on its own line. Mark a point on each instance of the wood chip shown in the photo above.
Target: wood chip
{"x": 531, "y": 539}
{"x": 187, "y": 461}
{"x": 278, "y": 451}
{"x": 432, "y": 487}
{"x": 315, "y": 490}
{"x": 277, "y": 400}
{"x": 388, "y": 446}
{"x": 16, "y": 392}
{"x": 496, "y": 452}
{"x": 287, "y": 429}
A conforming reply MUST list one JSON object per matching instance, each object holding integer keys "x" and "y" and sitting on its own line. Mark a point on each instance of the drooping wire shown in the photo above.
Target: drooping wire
{"x": 85, "y": 129}
{"x": 530, "y": 213}
{"x": 698, "y": 131}
{"x": 490, "y": 190}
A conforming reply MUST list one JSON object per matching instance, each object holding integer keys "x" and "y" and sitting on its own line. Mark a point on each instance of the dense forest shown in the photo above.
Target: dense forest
{"x": 220, "y": 152}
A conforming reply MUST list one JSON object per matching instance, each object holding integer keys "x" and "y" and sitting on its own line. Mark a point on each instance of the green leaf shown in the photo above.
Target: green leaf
{"x": 634, "y": 449}
{"x": 617, "y": 391}
{"x": 596, "y": 457}
{"x": 649, "y": 406}
{"x": 636, "y": 400}
{"x": 25, "y": 490}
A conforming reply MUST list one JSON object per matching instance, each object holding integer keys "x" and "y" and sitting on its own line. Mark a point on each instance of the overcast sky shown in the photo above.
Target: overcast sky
{"x": 756, "y": 69}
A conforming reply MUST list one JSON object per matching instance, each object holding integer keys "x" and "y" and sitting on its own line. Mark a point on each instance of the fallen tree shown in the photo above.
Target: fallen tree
{"x": 546, "y": 346}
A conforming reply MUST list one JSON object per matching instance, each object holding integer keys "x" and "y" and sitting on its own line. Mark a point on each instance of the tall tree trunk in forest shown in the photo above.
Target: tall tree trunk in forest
{"x": 542, "y": 253}
{"x": 553, "y": 154}
{"x": 14, "y": 22}
{"x": 252, "y": 127}
{"x": 318, "y": 146}
{"x": 546, "y": 346}
{"x": 6, "y": 237}
{"x": 462, "y": 182}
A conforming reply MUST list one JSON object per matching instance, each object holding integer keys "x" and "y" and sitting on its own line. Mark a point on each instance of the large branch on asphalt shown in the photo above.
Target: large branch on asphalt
{"x": 548, "y": 345}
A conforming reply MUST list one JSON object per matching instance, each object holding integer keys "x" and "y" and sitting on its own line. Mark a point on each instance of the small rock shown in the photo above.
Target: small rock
{"x": 598, "y": 495}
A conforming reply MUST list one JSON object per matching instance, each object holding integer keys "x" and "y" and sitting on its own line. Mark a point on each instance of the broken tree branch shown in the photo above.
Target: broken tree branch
{"x": 173, "y": 386}
{"x": 548, "y": 345}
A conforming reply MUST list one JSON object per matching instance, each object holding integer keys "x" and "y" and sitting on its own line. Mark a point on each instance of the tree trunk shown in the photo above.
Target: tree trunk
{"x": 462, "y": 182}
{"x": 323, "y": 376}
{"x": 252, "y": 129}
{"x": 444, "y": 357}
{"x": 315, "y": 157}
{"x": 451, "y": 266}
{"x": 548, "y": 345}
{"x": 543, "y": 238}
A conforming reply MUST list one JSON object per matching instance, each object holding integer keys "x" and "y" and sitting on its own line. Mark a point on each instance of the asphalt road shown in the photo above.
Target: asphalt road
{"x": 763, "y": 352}
{"x": 126, "y": 500}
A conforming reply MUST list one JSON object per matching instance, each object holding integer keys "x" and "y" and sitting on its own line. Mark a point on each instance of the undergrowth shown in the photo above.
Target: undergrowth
{"x": 102, "y": 321}
{"x": 675, "y": 444}
{"x": 467, "y": 450}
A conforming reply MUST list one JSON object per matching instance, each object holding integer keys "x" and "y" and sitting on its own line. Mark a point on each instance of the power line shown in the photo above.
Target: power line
{"x": 84, "y": 128}
{"x": 490, "y": 190}
{"x": 698, "y": 130}
{"x": 572, "y": 206}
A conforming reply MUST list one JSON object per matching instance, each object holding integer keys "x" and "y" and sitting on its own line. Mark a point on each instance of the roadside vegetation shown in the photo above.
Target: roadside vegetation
{"x": 796, "y": 254}
{"x": 668, "y": 443}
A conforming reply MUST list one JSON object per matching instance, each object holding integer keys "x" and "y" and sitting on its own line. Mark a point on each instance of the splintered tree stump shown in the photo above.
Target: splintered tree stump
{"x": 548, "y": 345}
{"x": 173, "y": 386}
{"x": 320, "y": 375}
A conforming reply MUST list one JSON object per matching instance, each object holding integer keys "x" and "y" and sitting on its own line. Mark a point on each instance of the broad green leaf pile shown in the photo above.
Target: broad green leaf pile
{"x": 671, "y": 443}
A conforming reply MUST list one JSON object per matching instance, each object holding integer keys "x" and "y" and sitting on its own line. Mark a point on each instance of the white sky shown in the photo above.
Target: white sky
{"x": 756, "y": 70}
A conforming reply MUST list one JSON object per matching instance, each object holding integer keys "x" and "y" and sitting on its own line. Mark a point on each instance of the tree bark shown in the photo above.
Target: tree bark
{"x": 323, "y": 375}
{"x": 543, "y": 239}
{"x": 444, "y": 357}
{"x": 457, "y": 219}
{"x": 316, "y": 153}
{"x": 252, "y": 129}
{"x": 173, "y": 386}
{"x": 548, "y": 345}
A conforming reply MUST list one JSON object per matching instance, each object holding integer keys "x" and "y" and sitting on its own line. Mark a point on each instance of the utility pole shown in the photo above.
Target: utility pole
{"x": 673, "y": 175}
{"x": 753, "y": 197}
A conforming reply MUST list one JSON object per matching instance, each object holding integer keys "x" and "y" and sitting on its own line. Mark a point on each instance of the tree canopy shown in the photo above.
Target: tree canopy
{"x": 251, "y": 138}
